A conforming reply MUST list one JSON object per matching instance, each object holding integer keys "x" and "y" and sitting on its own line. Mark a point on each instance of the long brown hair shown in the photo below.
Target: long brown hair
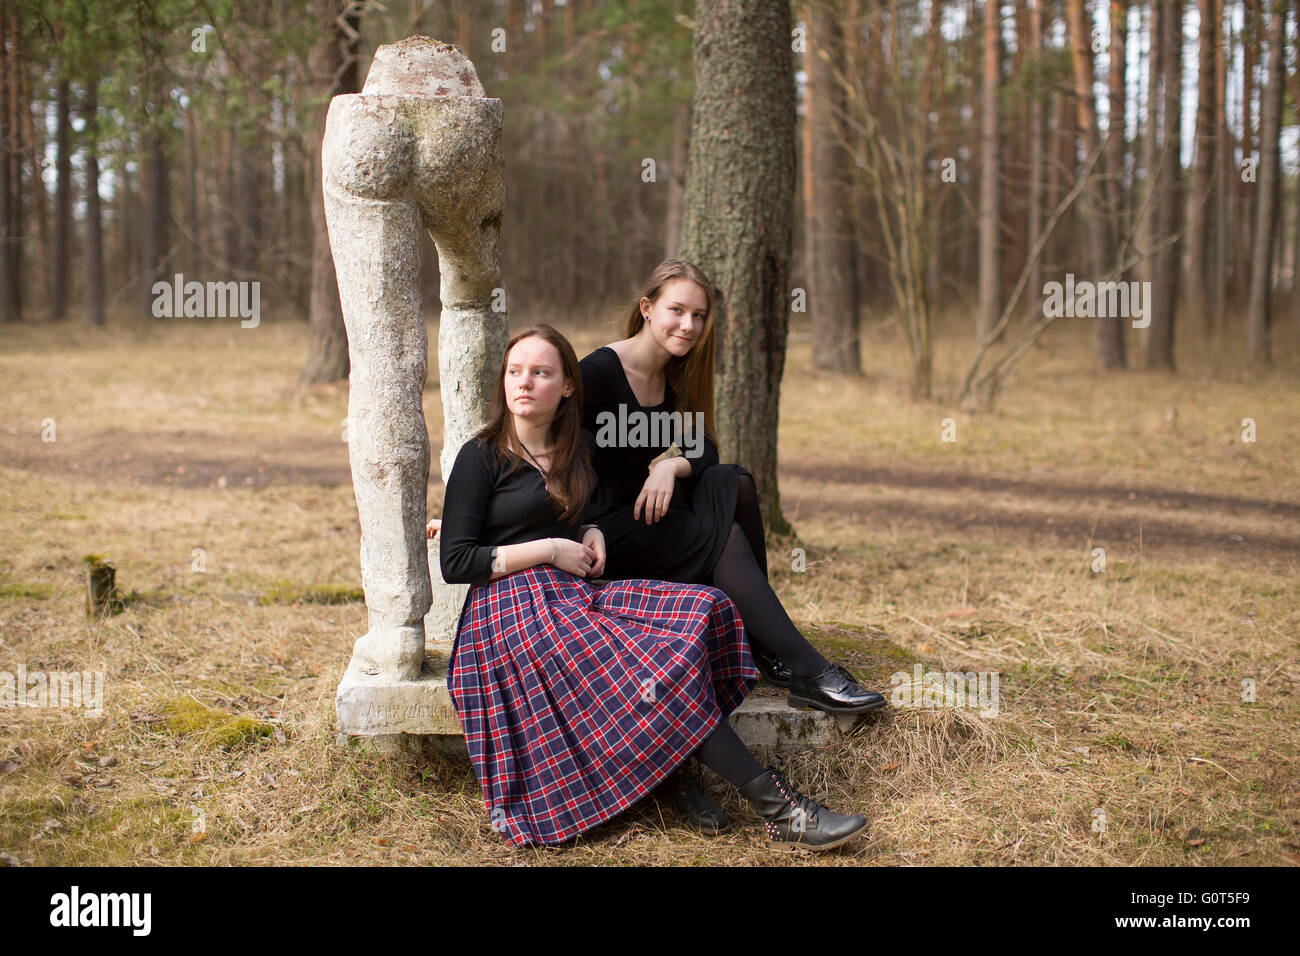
{"x": 570, "y": 479}
{"x": 691, "y": 376}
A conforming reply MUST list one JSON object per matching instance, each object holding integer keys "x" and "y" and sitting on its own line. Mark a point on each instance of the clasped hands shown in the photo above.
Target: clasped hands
{"x": 585, "y": 558}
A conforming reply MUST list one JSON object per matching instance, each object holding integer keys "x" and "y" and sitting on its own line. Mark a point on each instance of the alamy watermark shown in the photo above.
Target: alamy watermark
{"x": 1098, "y": 300}
{"x": 72, "y": 689}
{"x": 75, "y": 908}
{"x": 638, "y": 429}
{"x": 213, "y": 300}
{"x": 933, "y": 690}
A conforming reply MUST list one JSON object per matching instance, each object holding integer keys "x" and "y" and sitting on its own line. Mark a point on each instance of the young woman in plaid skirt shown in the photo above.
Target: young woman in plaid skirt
{"x": 578, "y": 700}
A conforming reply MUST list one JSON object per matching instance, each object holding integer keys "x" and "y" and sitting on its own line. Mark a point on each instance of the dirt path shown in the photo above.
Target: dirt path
{"x": 1032, "y": 510}
{"x": 1037, "y": 511}
{"x": 183, "y": 459}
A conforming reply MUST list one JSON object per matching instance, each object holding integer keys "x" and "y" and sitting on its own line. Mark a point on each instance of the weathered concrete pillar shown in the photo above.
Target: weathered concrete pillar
{"x": 419, "y": 147}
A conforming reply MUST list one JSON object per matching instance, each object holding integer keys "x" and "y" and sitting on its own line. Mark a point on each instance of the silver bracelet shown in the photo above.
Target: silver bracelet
{"x": 555, "y": 549}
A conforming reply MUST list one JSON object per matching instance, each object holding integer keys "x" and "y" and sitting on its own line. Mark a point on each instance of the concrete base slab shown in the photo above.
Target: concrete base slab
{"x": 374, "y": 707}
{"x": 766, "y": 721}
{"x": 418, "y": 717}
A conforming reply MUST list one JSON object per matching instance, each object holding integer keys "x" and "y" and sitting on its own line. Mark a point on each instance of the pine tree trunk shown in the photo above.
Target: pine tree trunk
{"x": 10, "y": 97}
{"x": 803, "y": 257}
{"x": 1109, "y": 330}
{"x": 62, "y": 206}
{"x": 193, "y": 261}
{"x": 514, "y": 34}
{"x": 738, "y": 217}
{"x": 95, "y": 301}
{"x": 1218, "y": 255}
{"x": 1117, "y": 146}
{"x": 34, "y": 151}
{"x": 1294, "y": 290}
{"x": 252, "y": 165}
{"x": 157, "y": 211}
{"x": 1164, "y": 290}
{"x": 7, "y": 277}
{"x": 327, "y": 358}
{"x": 1260, "y": 307}
{"x": 1036, "y": 164}
{"x": 296, "y": 222}
{"x": 1148, "y": 226}
{"x": 676, "y": 178}
{"x": 933, "y": 96}
{"x": 1243, "y": 238}
{"x": 126, "y": 210}
{"x": 990, "y": 208}
{"x": 1200, "y": 209}
{"x": 833, "y": 291}
{"x": 229, "y": 235}
{"x": 571, "y": 211}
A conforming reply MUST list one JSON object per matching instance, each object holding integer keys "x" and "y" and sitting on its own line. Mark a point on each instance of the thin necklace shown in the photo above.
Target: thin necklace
{"x": 536, "y": 464}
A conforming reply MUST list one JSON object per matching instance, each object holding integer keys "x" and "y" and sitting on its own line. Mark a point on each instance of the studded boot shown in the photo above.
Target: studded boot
{"x": 795, "y": 821}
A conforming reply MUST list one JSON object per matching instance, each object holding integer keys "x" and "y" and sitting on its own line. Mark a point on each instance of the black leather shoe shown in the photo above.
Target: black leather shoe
{"x": 683, "y": 791}
{"x": 793, "y": 820}
{"x": 834, "y": 691}
{"x": 774, "y": 670}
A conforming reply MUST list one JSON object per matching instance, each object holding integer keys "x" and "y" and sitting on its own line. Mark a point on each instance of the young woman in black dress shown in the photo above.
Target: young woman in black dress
{"x": 578, "y": 700}
{"x": 689, "y": 518}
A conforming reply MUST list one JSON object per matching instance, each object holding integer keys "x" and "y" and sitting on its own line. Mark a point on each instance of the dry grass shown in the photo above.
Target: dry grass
{"x": 187, "y": 454}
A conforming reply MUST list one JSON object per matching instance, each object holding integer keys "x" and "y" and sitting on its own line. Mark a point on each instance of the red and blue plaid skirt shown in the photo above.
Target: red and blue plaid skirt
{"x": 576, "y": 701}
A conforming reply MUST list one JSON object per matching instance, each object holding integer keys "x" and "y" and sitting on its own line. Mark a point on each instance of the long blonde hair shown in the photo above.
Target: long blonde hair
{"x": 691, "y": 376}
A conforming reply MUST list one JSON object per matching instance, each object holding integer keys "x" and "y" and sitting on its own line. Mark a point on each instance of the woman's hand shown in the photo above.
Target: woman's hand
{"x": 656, "y": 493}
{"x": 433, "y": 529}
{"x": 595, "y": 540}
{"x": 573, "y": 557}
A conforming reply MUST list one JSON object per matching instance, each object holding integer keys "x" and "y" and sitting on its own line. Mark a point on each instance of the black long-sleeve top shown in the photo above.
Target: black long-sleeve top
{"x": 487, "y": 504}
{"x": 624, "y": 469}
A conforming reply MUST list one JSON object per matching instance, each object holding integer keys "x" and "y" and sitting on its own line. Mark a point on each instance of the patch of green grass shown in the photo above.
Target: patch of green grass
{"x": 1116, "y": 741}
{"x": 286, "y": 592}
{"x": 38, "y": 592}
{"x": 882, "y": 656}
{"x": 59, "y": 830}
{"x": 24, "y": 816}
{"x": 185, "y": 716}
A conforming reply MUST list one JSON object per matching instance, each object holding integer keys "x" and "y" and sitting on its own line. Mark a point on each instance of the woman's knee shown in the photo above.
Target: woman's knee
{"x": 747, "y": 488}
{"x": 736, "y": 539}
{"x": 747, "y": 506}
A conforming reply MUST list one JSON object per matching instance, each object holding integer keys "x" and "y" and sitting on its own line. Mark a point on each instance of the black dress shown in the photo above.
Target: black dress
{"x": 686, "y": 543}
{"x": 493, "y": 502}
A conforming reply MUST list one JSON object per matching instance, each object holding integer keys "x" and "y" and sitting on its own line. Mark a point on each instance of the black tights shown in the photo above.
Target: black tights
{"x": 741, "y": 574}
{"x": 750, "y": 518}
{"x": 725, "y": 754}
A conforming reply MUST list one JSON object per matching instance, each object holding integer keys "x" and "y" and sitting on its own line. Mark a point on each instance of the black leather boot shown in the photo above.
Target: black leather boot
{"x": 793, "y": 820}
{"x": 834, "y": 691}
{"x": 774, "y": 670}
{"x": 682, "y": 789}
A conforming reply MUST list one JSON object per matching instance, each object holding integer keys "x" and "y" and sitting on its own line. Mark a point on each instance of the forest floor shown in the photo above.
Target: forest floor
{"x": 1147, "y": 712}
